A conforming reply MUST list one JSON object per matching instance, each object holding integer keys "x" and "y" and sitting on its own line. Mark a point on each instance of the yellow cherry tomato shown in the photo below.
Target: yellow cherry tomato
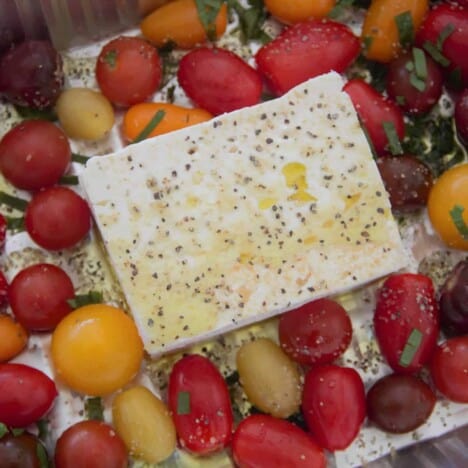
{"x": 96, "y": 349}
{"x": 295, "y": 11}
{"x": 450, "y": 192}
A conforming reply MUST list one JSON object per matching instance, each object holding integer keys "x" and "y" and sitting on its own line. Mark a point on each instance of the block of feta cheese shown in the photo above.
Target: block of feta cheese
{"x": 243, "y": 217}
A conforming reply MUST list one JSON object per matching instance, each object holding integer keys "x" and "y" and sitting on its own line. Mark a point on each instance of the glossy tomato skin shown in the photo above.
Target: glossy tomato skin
{"x": 406, "y": 302}
{"x": 461, "y": 117}
{"x": 208, "y": 425}
{"x": 373, "y": 110}
{"x": 34, "y": 154}
{"x": 334, "y": 405}
{"x": 3, "y": 290}
{"x": 316, "y": 333}
{"x": 57, "y": 218}
{"x": 26, "y": 394}
{"x": 128, "y": 70}
{"x": 449, "y": 369}
{"x": 90, "y": 444}
{"x": 3, "y": 229}
{"x": 264, "y": 441}
{"x": 20, "y": 451}
{"x": 303, "y": 51}
{"x": 455, "y": 46}
{"x": 218, "y": 80}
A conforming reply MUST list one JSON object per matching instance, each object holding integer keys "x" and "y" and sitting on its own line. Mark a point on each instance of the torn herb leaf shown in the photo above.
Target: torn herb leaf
{"x": 404, "y": 22}
{"x": 251, "y": 20}
{"x": 80, "y": 300}
{"x": 207, "y": 12}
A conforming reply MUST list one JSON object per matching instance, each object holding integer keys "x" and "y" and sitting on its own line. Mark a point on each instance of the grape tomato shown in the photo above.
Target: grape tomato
{"x": 21, "y": 451}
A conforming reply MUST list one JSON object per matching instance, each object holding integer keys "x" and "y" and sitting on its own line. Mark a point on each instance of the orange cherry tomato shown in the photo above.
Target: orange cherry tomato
{"x": 449, "y": 191}
{"x": 295, "y": 11}
{"x": 175, "y": 117}
{"x": 13, "y": 337}
{"x": 380, "y": 31}
{"x": 178, "y": 22}
{"x": 96, "y": 349}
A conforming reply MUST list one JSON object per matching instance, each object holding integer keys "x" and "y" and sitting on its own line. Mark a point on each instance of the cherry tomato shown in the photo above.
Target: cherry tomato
{"x": 38, "y": 296}
{"x": 303, "y": 51}
{"x": 57, "y": 218}
{"x": 450, "y": 191}
{"x": 96, "y": 349}
{"x": 179, "y": 22}
{"x": 34, "y": 154}
{"x": 406, "y": 319}
{"x": 218, "y": 80}
{"x": 334, "y": 405}
{"x": 264, "y": 441}
{"x": 26, "y": 394}
{"x": 296, "y": 11}
{"x": 374, "y": 110}
{"x": 449, "y": 369}
{"x": 90, "y": 444}
{"x": 199, "y": 400}
{"x": 3, "y": 229}
{"x": 316, "y": 333}
{"x": 128, "y": 70}
{"x": 400, "y": 403}
{"x": 380, "y": 32}
{"x": 455, "y": 47}
{"x": 401, "y": 79}
{"x": 21, "y": 451}
{"x": 175, "y": 118}
{"x": 461, "y": 117}
{"x": 3, "y": 290}
{"x": 13, "y": 338}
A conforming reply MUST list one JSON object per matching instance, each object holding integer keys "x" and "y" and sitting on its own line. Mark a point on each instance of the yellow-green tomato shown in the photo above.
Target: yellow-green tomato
{"x": 84, "y": 114}
{"x": 270, "y": 379}
{"x": 144, "y": 423}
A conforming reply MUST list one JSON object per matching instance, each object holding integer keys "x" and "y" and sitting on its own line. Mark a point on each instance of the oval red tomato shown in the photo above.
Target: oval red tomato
{"x": 264, "y": 441}
{"x": 198, "y": 398}
{"x": 26, "y": 394}
{"x": 218, "y": 80}
{"x": 334, "y": 405}
{"x": 303, "y": 51}
{"x": 90, "y": 444}
{"x": 406, "y": 321}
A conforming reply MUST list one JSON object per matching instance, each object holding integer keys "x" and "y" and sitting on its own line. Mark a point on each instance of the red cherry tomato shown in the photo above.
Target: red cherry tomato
{"x": 90, "y": 444}
{"x": 3, "y": 230}
{"x": 218, "y": 80}
{"x": 57, "y": 218}
{"x": 264, "y": 441}
{"x": 455, "y": 46}
{"x": 34, "y": 154}
{"x": 128, "y": 70}
{"x": 406, "y": 306}
{"x": 38, "y": 296}
{"x": 21, "y": 451}
{"x": 200, "y": 404}
{"x": 3, "y": 290}
{"x": 461, "y": 117}
{"x": 373, "y": 110}
{"x": 334, "y": 405}
{"x": 26, "y": 394}
{"x": 316, "y": 333}
{"x": 303, "y": 51}
{"x": 449, "y": 369}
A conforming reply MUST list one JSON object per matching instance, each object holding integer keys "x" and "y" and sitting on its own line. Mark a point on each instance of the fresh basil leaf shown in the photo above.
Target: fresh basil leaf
{"x": 251, "y": 20}
{"x": 207, "y": 12}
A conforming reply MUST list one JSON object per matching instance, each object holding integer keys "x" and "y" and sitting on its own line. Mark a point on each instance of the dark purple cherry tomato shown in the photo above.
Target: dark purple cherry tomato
{"x": 196, "y": 384}
{"x": 262, "y": 441}
{"x": 38, "y": 296}
{"x": 316, "y": 333}
{"x": 21, "y": 451}
{"x": 407, "y": 180}
{"x": 218, "y": 80}
{"x": 57, "y": 218}
{"x": 461, "y": 117}
{"x": 31, "y": 74}
{"x": 34, "y": 154}
{"x": 414, "y": 95}
{"x": 334, "y": 405}
{"x": 26, "y": 394}
{"x": 400, "y": 403}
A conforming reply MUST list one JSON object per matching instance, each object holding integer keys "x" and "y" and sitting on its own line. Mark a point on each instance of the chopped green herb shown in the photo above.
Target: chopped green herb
{"x": 417, "y": 83}
{"x": 111, "y": 58}
{"x": 436, "y": 54}
{"x": 13, "y": 202}
{"x": 152, "y": 124}
{"x": 404, "y": 22}
{"x": 42, "y": 456}
{"x": 251, "y": 20}
{"x": 17, "y": 431}
{"x": 3, "y": 430}
{"x": 411, "y": 347}
{"x": 339, "y": 8}
{"x": 80, "y": 300}
{"x": 401, "y": 101}
{"x": 15, "y": 223}
{"x": 79, "y": 158}
{"x": 183, "y": 403}
{"x": 456, "y": 213}
{"x": 367, "y": 42}
{"x": 29, "y": 113}
{"x": 409, "y": 66}
{"x": 207, "y": 12}
{"x": 394, "y": 143}
{"x": 43, "y": 428}
{"x": 444, "y": 34}
{"x": 420, "y": 64}
{"x": 69, "y": 180}
{"x": 94, "y": 409}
